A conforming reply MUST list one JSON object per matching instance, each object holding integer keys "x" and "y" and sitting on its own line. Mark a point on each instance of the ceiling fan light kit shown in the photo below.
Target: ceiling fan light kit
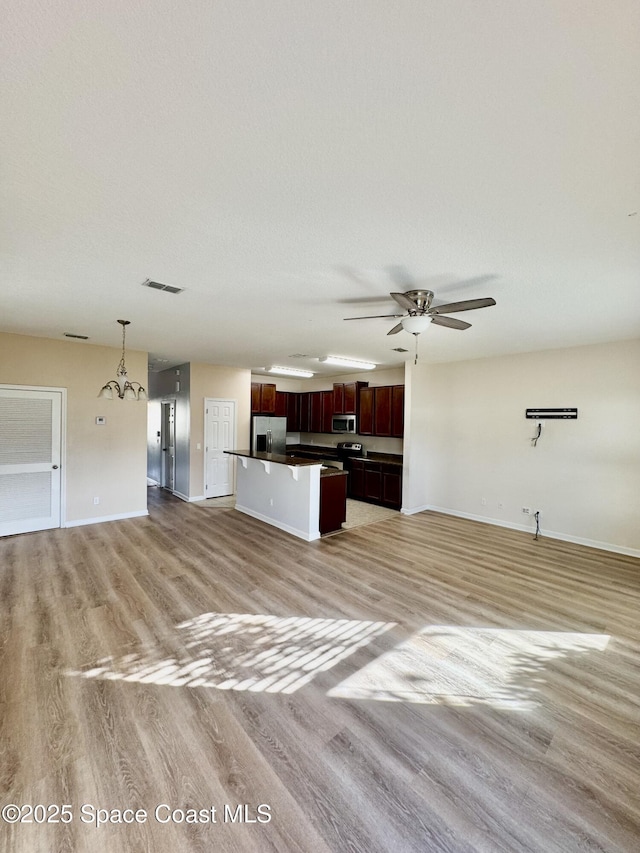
{"x": 123, "y": 387}
{"x": 415, "y": 323}
{"x": 339, "y": 361}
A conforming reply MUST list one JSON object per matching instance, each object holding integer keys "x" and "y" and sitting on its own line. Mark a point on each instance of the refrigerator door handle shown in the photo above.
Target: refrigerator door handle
{"x": 269, "y": 441}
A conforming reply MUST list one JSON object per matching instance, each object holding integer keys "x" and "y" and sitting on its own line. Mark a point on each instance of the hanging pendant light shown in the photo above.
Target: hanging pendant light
{"x": 123, "y": 387}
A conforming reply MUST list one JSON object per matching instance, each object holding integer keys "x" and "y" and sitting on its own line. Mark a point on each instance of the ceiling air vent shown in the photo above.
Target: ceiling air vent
{"x": 155, "y": 285}
{"x": 76, "y": 337}
{"x": 400, "y": 349}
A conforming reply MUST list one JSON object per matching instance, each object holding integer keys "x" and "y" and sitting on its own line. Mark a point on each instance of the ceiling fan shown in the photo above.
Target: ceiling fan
{"x": 421, "y": 312}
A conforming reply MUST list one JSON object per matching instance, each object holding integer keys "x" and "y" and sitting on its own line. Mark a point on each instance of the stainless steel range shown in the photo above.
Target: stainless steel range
{"x": 345, "y": 449}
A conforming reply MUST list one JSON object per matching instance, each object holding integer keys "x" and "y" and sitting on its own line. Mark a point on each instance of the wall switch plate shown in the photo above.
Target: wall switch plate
{"x": 96, "y": 501}
{"x": 101, "y": 420}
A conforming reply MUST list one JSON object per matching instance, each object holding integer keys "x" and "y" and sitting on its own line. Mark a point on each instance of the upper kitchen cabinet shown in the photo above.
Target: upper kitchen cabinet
{"x": 304, "y": 406}
{"x": 365, "y": 419}
{"x": 315, "y": 416}
{"x": 382, "y": 411}
{"x": 327, "y": 411}
{"x": 293, "y": 412}
{"x": 397, "y": 411}
{"x": 263, "y": 398}
{"x": 346, "y": 397}
{"x": 281, "y": 404}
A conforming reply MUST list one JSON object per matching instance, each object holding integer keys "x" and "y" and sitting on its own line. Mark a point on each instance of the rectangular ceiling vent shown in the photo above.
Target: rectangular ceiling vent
{"x": 400, "y": 349}
{"x": 156, "y": 285}
{"x": 76, "y": 337}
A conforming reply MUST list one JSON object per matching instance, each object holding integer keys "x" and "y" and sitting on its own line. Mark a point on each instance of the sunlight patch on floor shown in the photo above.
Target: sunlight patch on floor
{"x": 243, "y": 651}
{"x": 448, "y": 665}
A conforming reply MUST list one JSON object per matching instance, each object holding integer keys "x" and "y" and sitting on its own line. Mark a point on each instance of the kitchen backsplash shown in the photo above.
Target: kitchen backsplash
{"x": 373, "y": 443}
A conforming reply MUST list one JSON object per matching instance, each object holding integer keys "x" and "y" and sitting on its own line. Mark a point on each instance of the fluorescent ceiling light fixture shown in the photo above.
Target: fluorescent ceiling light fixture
{"x": 290, "y": 371}
{"x": 347, "y": 362}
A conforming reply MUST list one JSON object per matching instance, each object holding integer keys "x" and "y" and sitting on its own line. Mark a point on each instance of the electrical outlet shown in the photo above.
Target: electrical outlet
{"x": 526, "y": 510}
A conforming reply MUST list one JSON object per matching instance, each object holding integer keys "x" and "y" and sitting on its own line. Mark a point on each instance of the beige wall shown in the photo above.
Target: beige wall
{"x": 468, "y": 449}
{"x": 108, "y": 462}
{"x": 224, "y": 383}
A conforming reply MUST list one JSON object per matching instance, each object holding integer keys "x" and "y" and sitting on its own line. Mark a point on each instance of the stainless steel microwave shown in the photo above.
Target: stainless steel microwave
{"x": 344, "y": 423}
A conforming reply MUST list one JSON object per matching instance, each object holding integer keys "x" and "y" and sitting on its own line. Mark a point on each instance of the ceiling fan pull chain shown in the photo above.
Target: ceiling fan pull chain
{"x": 416, "y": 358}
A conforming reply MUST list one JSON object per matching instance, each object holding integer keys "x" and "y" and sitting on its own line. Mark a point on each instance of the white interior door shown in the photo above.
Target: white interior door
{"x": 219, "y": 435}
{"x": 30, "y": 455}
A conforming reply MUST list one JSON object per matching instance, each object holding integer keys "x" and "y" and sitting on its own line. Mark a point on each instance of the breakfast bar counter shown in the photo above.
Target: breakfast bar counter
{"x": 282, "y": 490}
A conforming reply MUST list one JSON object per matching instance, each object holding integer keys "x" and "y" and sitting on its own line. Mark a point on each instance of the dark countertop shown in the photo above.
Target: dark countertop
{"x": 287, "y": 459}
{"x": 329, "y": 453}
{"x": 387, "y": 458}
{"x": 313, "y": 450}
{"x": 279, "y": 458}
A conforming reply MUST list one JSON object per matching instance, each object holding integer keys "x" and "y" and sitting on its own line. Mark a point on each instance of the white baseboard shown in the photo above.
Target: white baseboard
{"x": 549, "y": 534}
{"x": 152, "y": 482}
{"x": 187, "y": 498}
{"x": 118, "y": 517}
{"x": 301, "y": 534}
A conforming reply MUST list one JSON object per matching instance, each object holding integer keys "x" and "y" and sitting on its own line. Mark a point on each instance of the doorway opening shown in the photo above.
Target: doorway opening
{"x": 168, "y": 444}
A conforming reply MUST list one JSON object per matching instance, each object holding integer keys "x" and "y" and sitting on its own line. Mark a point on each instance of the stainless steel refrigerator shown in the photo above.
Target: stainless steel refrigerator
{"x": 269, "y": 435}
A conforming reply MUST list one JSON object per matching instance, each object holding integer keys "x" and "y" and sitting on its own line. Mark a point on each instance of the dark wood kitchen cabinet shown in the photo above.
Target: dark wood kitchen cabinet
{"x": 333, "y": 501}
{"x": 397, "y": 411}
{"x": 281, "y": 404}
{"x": 346, "y": 397}
{"x": 355, "y": 467}
{"x": 391, "y": 486}
{"x": 315, "y": 417}
{"x": 375, "y": 482}
{"x": 382, "y": 410}
{"x": 304, "y": 405}
{"x": 293, "y": 412}
{"x": 338, "y": 398}
{"x": 327, "y": 411}
{"x": 263, "y": 398}
{"x": 365, "y": 418}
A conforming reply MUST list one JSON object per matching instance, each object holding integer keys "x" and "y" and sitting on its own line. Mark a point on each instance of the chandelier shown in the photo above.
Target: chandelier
{"x": 123, "y": 387}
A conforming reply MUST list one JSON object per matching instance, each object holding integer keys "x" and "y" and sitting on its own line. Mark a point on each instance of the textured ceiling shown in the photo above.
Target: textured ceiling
{"x": 290, "y": 163}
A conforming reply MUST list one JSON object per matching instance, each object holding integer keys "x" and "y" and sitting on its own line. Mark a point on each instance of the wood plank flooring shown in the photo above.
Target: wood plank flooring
{"x": 424, "y": 683}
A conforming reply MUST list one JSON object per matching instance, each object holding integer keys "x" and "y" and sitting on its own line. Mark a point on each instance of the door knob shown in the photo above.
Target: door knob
{"x": 54, "y": 467}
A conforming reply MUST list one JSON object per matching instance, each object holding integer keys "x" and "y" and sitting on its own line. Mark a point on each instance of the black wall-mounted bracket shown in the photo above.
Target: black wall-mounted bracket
{"x": 554, "y": 414}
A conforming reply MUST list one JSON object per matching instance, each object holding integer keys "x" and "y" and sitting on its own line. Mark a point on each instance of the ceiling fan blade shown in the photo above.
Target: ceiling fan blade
{"x": 450, "y": 322}
{"x": 404, "y": 301}
{"x": 395, "y": 329}
{"x": 375, "y": 317}
{"x": 465, "y": 305}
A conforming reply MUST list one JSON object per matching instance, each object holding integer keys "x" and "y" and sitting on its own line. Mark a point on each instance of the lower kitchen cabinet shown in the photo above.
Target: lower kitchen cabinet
{"x": 375, "y": 482}
{"x": 391, "y": 486}
{"x": 333, "y": 501}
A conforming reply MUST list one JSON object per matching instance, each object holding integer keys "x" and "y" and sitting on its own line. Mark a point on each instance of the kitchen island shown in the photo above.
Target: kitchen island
{"x": 286, "y": 491}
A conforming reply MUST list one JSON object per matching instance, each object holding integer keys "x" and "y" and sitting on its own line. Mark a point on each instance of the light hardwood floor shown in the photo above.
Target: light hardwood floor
{"x": 425, "y": 683}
